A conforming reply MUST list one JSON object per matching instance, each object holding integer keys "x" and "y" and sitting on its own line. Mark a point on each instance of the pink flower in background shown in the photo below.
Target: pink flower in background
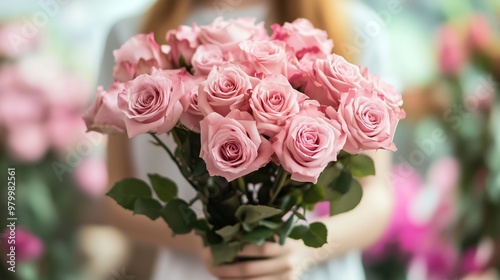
{"x": 64, "y": 128}
{"x": 151, "y": 103}
{"x": 104, "y": 115}
{"x": 139, "y": 55}
{"x": 303, "y": 38}
{"x": 476, "y": 259}
{"x": 231, "y": 146}
{"x": 417, "y": 234}
{"x": 406, "y": 186}
{"x": 12, "y": 44}
{"x": 265, "y": 57}
{"x": 228, "y": 34}
{"x": 92, "y": 176}
{"x": 331, "y": 78}
{"x": 182, "y": 41}
{"x": 452, "y": 56}
{"x": 205, "y": 58}
{"x": 480, "y": 33}
{"x": 322, "y": 209}
{"x": 273, "y": 101}
{"x": 307, "y": 144}
{"x": 18, "y": 107}
{"x": 28, "y": 246}
{"x": 226, "y": 89}
{"x": 27, "y": 143}
{"x": 367, "y": 121}
{"x": 192, "y": 116}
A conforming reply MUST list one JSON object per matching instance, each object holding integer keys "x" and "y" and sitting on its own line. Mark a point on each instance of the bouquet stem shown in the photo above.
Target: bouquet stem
{"x": 172, "y": 156}
{"x": 279, "y": 183}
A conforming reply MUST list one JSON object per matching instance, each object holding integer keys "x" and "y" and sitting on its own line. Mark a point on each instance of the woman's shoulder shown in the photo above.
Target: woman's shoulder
{"x": 125, "y": 28}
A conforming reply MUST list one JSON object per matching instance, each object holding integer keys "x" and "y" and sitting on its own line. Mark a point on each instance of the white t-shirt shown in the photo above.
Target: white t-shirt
{"x": 373, "y": 52}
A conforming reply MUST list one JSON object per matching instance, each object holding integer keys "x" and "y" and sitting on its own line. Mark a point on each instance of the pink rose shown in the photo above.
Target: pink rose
{"x": 307, "y": 144}
{"x": 265, "y": 57}
{"x": 27, "y": 143}
{"x": 385, "y": 91}
{"x": 273, "y": 101}
{"x": 183, "y": 41}
{"x": 452, "y": 56}
{"x": 226, "y": 88}
{"x": 29, "y": 247}
{"x": 205, "y": 58}
{"x": 303, "y": 38}
{"x": 229, "y": 34}
{"x": 104, "y": 116}
{"x": 332, "y": 78}
{"x": 152, "y": 103}
{"x": 139, "y": 55}
{"x": 231, "y": 146}
{"x": 192, "y": 116}
{"x": 480, "y": 33}
{"x": 368, "y": 122}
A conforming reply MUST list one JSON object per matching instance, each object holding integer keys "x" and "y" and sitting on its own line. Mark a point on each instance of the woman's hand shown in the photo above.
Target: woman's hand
{"x": 280, "y": 263}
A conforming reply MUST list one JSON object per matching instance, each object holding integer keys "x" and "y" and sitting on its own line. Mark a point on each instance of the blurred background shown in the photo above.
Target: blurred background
{"x": 446, "y": 173}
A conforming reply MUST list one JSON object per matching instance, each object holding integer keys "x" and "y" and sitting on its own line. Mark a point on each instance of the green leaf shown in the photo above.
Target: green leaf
{"x": 269, "y": 224}
{"x": 316, "y": 235}
{"x": 165, "y": 188}
{"x": 342, "y": 183}
{"x": 229, "y": 232}
{"x": 147, "y": 206}
{"x": 362, "y": 165}
{"x": 298, "y": 232}
{"x": 347, "y": 201}
{"x": 313, "y": 235}
{"x": 258, "y": 235}
{"x": 285, "y": 230}
{"x": 299, "y": 215}
{"x": 179, "y": 216}
{"x": 314, "y": 195}
{"x": 255, "y": 213}
{"x": 224, "y": 252}
{"x": 127, "y": 191}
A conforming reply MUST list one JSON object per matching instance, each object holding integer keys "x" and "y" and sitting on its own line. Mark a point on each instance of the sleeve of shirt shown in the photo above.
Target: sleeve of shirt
{"x": 118, "y": 34}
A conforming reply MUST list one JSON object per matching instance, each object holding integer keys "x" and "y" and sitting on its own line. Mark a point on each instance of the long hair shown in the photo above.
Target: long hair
{"x": 324, "y": 14}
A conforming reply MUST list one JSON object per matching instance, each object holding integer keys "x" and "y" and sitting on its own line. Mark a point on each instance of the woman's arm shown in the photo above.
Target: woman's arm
{"x": 141, "y": 228}
{"x": 364, "y": 225}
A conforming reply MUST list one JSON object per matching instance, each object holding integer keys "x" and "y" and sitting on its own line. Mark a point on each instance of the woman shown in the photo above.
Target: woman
{"x": 184, "y": 256}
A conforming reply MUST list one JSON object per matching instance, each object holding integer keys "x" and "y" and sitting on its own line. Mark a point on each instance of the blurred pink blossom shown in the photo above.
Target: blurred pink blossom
{"x": 480, "y": 33}
{"x": 40, "y": 107}
{"x": 406, "y": 186}
{"x": 64, "y": 128}
{"x": 27, "y": 143}
{"x": 422, "y": 212}
{"x": 92, "y": 176}
{"x": 452, "y": 54}
{"x": 28, "y": 246}
{"x": 12, "y": 44}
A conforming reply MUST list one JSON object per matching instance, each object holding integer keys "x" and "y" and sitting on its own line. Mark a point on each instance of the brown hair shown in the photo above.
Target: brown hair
{"x": 324, "y": 14}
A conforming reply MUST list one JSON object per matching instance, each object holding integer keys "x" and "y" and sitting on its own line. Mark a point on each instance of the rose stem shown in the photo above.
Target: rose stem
{"x": 279, "y": 183}
{"x": 160, "y": 142}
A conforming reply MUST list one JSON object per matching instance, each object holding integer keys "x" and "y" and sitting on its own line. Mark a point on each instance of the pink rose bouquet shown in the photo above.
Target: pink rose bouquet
{"x": 266, "y": 127}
